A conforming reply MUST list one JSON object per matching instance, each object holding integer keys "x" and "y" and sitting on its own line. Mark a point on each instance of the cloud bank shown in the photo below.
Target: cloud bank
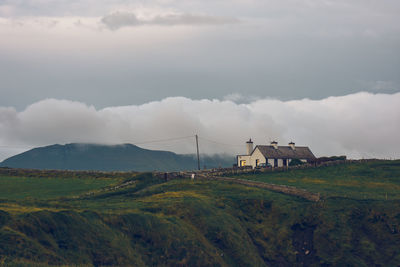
{"x": 118, "y": 20}
{"x": 357, "y": 125}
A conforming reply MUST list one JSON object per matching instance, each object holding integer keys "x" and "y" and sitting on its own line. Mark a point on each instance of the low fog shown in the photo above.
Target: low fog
{"x": 360, "y": 125}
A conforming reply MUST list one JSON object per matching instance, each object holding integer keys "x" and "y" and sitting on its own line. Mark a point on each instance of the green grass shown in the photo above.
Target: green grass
{"x": 202, "y": 223}
{"x": 373, "y": 180}
{"x": 13, "y": 188}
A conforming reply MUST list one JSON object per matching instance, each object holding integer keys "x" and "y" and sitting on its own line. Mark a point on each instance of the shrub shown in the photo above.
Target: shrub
{"x": 295, "y": 162}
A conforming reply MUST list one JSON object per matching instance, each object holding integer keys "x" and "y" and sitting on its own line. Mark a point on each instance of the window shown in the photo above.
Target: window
{"x": 275, "y": 162}
{"x": 242, "y": 163}
{"x": 284, "y": 162}
{"x": 257, "y": 162}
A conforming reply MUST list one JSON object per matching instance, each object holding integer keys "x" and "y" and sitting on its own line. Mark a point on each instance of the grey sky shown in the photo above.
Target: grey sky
{"x": 198, "y": 49}
{"x": 90, "y": 71}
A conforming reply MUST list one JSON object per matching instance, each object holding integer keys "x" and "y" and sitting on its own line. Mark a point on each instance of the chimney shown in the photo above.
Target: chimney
{"x": 291, "y": 144}
{"x": 249, "y": 146}
{"x": 274, "y": 144}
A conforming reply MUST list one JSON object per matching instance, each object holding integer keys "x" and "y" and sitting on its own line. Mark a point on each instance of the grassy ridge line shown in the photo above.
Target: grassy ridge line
{"x": 289, "y": 190}
{"x": 16, "y": 172}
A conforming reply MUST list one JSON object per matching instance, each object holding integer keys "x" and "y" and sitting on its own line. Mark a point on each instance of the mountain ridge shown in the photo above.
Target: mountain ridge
{"x": 119, "y": 157}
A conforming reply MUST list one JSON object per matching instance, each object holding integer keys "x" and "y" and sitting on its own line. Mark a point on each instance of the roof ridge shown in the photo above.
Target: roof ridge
{"x": 300, "y": 152}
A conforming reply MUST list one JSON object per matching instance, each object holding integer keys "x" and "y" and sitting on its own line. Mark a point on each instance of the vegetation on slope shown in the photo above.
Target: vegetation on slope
{"x": 368, "y": 180}
{"x": 46, "y": 188}
{"x": 199, "y": 223}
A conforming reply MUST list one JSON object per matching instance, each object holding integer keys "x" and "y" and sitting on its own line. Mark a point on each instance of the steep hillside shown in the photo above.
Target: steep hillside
{"x": 124, "y": 157}
{"x": 147, "y": 221}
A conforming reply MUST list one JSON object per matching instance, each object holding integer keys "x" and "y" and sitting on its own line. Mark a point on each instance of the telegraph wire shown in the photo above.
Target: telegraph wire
{"x": 135, "y": 143}
{"x": 149, "y": 142}
{"x": 163, "y": 140}
{"x": 216, "y": 142}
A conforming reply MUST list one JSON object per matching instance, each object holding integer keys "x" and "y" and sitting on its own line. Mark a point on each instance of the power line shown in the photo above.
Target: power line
{"x": 163, "y": 140}
{"x": 136, "y": 143}
{"x": 149, "y": 142}
{"x": 219, "y": 143}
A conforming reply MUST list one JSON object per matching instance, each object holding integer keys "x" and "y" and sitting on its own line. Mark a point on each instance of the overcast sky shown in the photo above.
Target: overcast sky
{"x": 115, "y": 53}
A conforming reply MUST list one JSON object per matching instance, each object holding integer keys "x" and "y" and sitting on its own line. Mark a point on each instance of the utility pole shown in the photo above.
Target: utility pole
{"x": 198, "y": 157}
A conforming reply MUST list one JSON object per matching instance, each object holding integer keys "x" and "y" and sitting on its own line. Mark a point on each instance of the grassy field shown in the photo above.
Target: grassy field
{"x": 151, "y": 222}
{"x": 378, "y": 180}
{"x": 12, "y": 188}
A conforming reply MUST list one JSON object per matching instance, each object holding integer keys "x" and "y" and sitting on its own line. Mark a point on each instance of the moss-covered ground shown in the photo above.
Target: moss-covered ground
{"x": 152, "y": 222}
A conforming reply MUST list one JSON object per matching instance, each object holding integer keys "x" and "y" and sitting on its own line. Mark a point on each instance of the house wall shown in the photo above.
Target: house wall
{"x": 280, "y": 162}
{"x": 251, "y": 160}
{"x": 243, "y": 157}
{"x": 271, "y": 161}
{"x": 257, "y": 155}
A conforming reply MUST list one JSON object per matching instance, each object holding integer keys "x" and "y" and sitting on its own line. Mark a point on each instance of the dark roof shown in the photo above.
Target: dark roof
{"x": 300, "y": 152}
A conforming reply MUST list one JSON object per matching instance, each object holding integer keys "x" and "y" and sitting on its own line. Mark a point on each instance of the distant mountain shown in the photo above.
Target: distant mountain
{"x": 125, "y": 157}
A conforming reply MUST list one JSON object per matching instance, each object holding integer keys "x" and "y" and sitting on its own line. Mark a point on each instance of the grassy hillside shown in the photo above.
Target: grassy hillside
{"x": 148, "y": 221}
{"x": 369, "y": 180}
{"x": 47, "y": 188}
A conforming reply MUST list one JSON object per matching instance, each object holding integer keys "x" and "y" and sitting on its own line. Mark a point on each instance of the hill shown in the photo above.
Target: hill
{"x": 137, "y": 219}
{"x": 124, "y": 157}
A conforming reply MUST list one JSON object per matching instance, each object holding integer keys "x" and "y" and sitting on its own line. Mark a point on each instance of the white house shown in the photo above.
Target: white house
{"x": 276, "y": 156}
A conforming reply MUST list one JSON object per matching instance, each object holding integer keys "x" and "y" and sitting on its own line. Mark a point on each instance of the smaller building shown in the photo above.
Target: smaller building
{"x": 274, "y": 155}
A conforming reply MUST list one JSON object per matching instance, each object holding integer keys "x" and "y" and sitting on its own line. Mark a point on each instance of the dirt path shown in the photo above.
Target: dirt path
{"x": 289, "y": 190}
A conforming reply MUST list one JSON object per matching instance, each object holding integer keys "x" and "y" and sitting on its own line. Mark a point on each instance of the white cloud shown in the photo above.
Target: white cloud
{"x": 358, "y": 125}
{"x": 234, "y": 97}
